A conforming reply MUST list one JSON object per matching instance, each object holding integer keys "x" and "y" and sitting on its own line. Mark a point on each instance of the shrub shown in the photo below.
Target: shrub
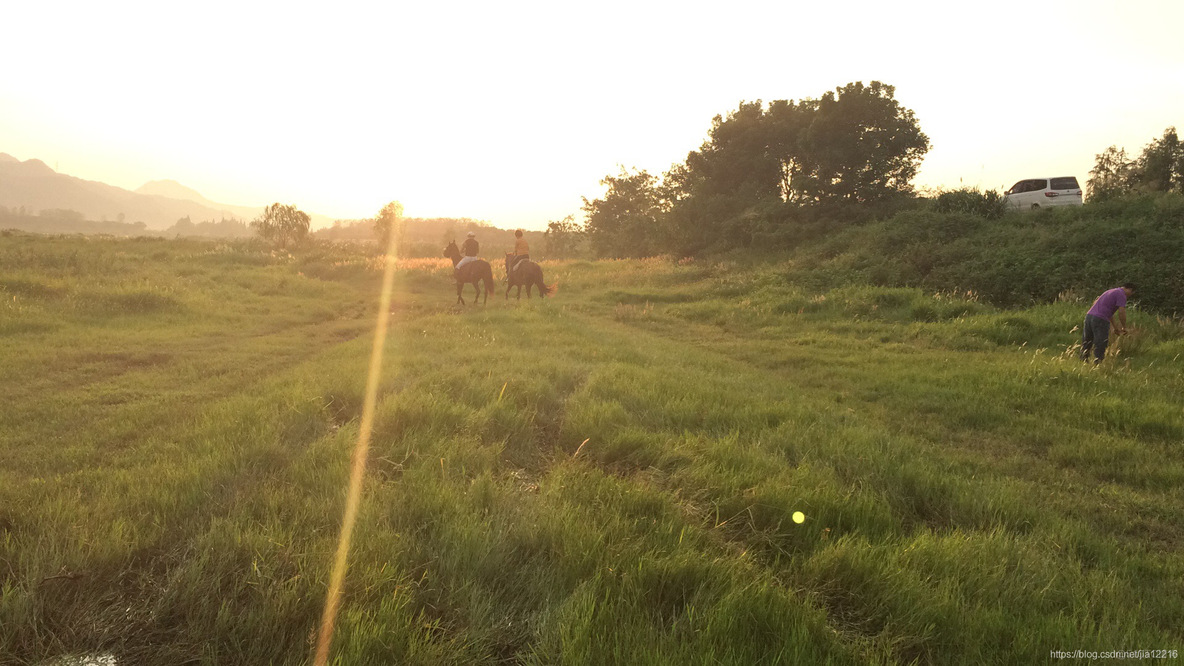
{"x": 987, "y": 204}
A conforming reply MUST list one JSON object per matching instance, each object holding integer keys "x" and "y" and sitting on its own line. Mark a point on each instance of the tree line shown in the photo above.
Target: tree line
{"x": 1158, "y": 169}
{"x": 68, "y": 221}
{"x": 760, "y": 165}
{"x": 286, "y": 226}
{"x": 776, "y": 173}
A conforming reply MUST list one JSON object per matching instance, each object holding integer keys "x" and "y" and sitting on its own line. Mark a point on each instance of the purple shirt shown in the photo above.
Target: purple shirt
{"x": 1108, "y": 303}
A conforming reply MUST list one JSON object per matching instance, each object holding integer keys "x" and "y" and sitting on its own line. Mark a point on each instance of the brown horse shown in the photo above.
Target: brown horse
{"x": 526, "y": 273}
{"x": 471, "y": 273}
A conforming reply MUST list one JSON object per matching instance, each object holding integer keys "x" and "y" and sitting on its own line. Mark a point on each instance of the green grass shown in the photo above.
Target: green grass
{"x": 1016, "y": 260}
{"x": 179, "y": 418}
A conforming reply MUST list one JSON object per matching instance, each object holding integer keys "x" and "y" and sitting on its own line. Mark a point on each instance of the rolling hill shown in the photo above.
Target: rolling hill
{"x": 34, "y": 186}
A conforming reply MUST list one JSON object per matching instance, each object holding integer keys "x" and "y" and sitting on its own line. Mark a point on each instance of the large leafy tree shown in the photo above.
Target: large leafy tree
{"x": 856, "y": 143}
{"x": 282, "y": 224}
{"x": 736, "y": 160}
{"x": 736, "y": 169}
{"x": 786, "y": 123}
{"x": 626, "y": 222}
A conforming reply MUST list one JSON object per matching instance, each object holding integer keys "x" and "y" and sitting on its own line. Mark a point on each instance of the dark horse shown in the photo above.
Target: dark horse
{"x": 527, "y": 273}
{"x": 472, "y": 272}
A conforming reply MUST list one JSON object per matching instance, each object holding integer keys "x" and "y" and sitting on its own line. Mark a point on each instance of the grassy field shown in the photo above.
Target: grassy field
{"x": 604, "y": 477}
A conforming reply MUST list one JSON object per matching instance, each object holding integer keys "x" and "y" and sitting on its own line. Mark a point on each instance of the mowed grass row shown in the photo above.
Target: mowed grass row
{"x": 606, "y": 477}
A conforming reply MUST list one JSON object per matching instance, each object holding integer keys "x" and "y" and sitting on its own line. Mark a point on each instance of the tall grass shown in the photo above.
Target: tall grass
{"x": 605, "y": 477}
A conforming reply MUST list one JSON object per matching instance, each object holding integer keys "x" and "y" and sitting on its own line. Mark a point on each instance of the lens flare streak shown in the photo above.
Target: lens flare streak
{"x": 358, "y": 470}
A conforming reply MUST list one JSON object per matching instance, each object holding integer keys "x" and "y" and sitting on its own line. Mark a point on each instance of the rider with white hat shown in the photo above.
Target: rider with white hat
{"x": 470, "y": 248}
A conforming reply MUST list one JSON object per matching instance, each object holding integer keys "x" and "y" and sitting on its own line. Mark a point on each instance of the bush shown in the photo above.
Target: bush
{"x": 987, "y": 204}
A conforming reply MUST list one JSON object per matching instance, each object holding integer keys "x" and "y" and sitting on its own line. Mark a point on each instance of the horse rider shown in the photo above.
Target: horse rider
{"x": 521, "y": 250}
{"x": 469, "y": 249}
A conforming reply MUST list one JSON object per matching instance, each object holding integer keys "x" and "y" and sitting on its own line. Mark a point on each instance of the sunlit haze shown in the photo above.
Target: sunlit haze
{"x": 511, "y": 112}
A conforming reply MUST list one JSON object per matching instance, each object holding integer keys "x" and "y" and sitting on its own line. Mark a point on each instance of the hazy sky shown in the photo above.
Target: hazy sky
{"x": 511, "y": 111}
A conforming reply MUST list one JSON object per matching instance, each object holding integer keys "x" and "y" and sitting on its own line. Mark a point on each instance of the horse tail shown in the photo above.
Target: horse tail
{"x": 488, "y": 279}
{"x": 544, "y": 290}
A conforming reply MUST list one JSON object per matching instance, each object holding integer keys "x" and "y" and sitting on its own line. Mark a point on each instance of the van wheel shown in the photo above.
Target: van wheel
{"x": 1035, "y": 206}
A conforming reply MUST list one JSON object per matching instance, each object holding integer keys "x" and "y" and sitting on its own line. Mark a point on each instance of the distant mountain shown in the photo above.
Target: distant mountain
{"x": 171, "y": 189}
{"x": 34, "y": 186}
{"x": 174, "y": 190}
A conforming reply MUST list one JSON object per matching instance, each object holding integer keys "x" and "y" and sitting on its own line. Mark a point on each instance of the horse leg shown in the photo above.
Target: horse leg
{"x": 459, "y": 298}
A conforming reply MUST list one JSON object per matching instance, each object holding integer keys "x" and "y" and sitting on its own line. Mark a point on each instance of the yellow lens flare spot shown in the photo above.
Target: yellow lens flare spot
{"x": 799, "y": 517}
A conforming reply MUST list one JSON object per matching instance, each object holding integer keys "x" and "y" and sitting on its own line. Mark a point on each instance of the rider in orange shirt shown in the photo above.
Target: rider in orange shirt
{"x": 521, "y": 249}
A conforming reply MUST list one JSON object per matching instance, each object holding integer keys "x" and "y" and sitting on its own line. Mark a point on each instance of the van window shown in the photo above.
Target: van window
{"x": 1036, "y": 185}
{"x": 1069, "y": 183}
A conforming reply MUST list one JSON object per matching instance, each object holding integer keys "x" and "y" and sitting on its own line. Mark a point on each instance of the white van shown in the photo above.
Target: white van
{"x": 1036, "y": 193}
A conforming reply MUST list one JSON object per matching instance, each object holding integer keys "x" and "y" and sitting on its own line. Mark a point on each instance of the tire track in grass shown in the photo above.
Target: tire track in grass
{"x": 595, "y": 350}
{"x": 96, "y": 433}
{"x": 137, "y": 575}
{"x": 733, "y": 545}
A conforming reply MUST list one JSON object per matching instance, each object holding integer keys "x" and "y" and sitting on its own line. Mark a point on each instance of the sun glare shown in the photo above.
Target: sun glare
{"x": 358, "y": 468}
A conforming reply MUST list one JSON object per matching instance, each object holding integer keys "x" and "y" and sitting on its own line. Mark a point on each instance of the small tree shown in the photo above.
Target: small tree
{"x": 389, "y": 221}
{"x": 626, "y": 222}
{"x": 563, "y": 237}
{"x": 281, "y": 224}
{"x": 1111, "y": 176}
{"x": 1160, "y": 168}
{"x": 183, "y": 227}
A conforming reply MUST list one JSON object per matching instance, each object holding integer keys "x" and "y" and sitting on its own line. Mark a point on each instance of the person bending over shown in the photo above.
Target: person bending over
{"x": 1095, "y": 331}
